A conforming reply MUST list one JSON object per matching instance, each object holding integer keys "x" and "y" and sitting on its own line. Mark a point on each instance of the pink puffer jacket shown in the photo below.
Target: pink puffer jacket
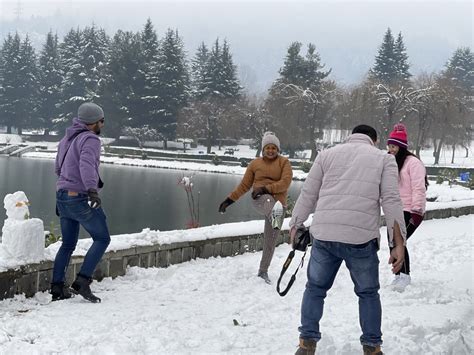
{"x": 411, "y": 183}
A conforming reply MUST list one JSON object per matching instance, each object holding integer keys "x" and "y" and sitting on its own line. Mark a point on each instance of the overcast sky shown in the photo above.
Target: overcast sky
{"x": 347, "y": 34}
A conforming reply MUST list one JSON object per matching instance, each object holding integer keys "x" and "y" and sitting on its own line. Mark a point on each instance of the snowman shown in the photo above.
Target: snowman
{"x": 22, "y": 236}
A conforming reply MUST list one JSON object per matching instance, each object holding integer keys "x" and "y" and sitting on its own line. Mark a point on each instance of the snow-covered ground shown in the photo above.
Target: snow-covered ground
{"x": 190, "y": 308}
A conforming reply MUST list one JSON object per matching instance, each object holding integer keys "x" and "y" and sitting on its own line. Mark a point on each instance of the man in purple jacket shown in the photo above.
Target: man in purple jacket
{"x": 78, "y": 202}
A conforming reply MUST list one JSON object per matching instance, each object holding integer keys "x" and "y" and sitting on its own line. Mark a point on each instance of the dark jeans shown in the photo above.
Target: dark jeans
{"x": 410, "y": 230}
{"x": 75, "y": 211}
{"x": 363, "y": 264}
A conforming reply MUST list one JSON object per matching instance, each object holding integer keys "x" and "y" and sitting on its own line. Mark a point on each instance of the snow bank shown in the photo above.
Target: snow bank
{"x": 190, "y": 308}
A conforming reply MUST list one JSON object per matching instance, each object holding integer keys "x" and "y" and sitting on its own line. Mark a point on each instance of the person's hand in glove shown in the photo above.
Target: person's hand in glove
{"x": 227, "y": 202}
{"x": 259, "y": 191}
{"x": 415, "y": 219}
{"x": 94, "y": 198}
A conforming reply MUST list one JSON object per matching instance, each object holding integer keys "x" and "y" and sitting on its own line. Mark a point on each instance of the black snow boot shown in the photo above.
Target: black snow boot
{"x": 81, "y": 286}
{"x": 60, "y": 291}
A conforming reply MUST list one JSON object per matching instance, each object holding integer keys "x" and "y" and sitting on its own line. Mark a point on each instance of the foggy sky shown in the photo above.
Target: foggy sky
{"x": 347, "y": 34}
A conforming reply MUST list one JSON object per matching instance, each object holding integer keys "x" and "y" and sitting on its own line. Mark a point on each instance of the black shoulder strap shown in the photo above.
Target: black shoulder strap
{"x": 293, "y": 277}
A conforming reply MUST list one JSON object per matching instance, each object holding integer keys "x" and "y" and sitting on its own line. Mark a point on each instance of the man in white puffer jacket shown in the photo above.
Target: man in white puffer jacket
{"x": 345, "y": 189}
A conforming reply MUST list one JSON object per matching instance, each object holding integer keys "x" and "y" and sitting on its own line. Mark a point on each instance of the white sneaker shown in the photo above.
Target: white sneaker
{"x": 401, "y": 282}
{"x": 277, "y": 215}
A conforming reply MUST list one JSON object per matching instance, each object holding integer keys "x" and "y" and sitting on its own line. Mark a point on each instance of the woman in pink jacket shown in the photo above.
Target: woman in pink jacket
{"x": 412, "y": 183}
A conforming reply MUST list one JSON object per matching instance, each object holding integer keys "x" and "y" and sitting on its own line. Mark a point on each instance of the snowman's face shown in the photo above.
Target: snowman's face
{"x": 17, "y": 206}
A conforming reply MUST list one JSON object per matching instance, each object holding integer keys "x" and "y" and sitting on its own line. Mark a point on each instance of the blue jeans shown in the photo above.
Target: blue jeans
{"x": 363, "y": 264}
{"x": 75, "y": 211}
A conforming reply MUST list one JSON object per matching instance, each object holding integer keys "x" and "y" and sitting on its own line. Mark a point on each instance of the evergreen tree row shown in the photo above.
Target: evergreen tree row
{"x": 140, "y": 80}
{"x": 151, "y": 91}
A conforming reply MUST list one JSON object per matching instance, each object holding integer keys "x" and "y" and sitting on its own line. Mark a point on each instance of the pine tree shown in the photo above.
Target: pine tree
{"x": 29, "y": 88}
{"x": 220, "y": 79}
{"x": 401, "y": 60}
{"x": 9, "y": 93}
{"x": 313, "y": 73}
{"x": 50, "y": 81}
{"x": 150, "y": 101}
{"x": 73, "y": 87}
{"x": 199, "y": 65}
{"x": 19, "y": 86}
{"x": 117, "y": 91}
{"x": 229, "y": 73}
{"x": 460, "y": 69}
{"x": 217, "y": 89}
{"x": 149, "y": 43}
{"x": 299, "y": 98}
{"x": 173, "y": 80}
{"x": 292, "y": 71}
{"x": 385, "y": 68}
{"x": 94, "y": 56}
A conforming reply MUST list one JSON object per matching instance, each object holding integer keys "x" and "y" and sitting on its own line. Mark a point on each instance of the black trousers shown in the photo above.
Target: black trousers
{"x": 410, "y": 230}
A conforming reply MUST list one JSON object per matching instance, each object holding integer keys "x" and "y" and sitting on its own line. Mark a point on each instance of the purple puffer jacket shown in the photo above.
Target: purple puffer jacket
{"x": 79, "y": 154}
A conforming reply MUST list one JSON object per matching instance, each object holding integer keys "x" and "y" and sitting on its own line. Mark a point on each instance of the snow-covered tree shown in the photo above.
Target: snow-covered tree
{"x": 292, "y": 71}
{"x": 50, "y": 81}
{"x": 142, "y": 134}
{"x": 118, "y": 90}
{"x": 452, "y": 115}
{"x": 173, "y": 81}
{"x": 401, "y": 60}
{"x": 94, "y": 56}
{"x": 232, "y": 87}
{"x": 220, "y": 79}
{"x": 396, "y": 103}
{"x": 460, "y": 69}
{"x": 28, "y": 87}
{"x": 216, "y": 92}
{"x": 298, "y": 99}
{"x": 10, "y": 81}
{"x": 19, "y": 84}
{"x": 391, "y": 63}
{"x": 148, "y": 75}
{"x": 73, "y": 87}
{"x": 198, "y": 69}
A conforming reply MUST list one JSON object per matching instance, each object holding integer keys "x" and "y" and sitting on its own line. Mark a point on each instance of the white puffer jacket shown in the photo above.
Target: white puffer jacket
{"x": 345, "y": 188}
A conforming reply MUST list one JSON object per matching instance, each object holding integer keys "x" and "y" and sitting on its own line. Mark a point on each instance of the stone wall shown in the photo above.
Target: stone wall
{"x": 32, "y": 278}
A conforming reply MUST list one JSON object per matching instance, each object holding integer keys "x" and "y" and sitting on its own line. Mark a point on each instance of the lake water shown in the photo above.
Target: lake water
{"x": 133, "y": 197}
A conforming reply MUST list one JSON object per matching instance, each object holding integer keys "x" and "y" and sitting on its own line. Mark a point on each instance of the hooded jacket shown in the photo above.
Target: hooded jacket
{"x": 345, "y": 189}
{"x": 78, "y": 158}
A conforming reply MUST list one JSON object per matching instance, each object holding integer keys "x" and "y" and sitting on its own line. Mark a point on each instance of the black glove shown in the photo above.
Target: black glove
{"x": 225, "y": 204}
{"x": 94, "y": 198}
{"x": 259, "y": 191}
{"x": 415, "y": 219}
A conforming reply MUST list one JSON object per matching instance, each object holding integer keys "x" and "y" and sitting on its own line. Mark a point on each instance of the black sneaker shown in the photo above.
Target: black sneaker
{"x": 60, "y": 291}
{"x": 81, "y": 286}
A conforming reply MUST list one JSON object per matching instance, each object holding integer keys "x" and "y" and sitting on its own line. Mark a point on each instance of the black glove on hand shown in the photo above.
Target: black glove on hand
{"x": 259, "y": 191}
{"x": 94, "y": 198}
{"x": 415, "y": 219}
{"x": 225, "y": 204}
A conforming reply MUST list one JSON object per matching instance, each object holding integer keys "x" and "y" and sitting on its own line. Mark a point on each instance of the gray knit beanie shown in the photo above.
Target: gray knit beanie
{"x": 270, "y": 138}
{"x": 90, "y": 113}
